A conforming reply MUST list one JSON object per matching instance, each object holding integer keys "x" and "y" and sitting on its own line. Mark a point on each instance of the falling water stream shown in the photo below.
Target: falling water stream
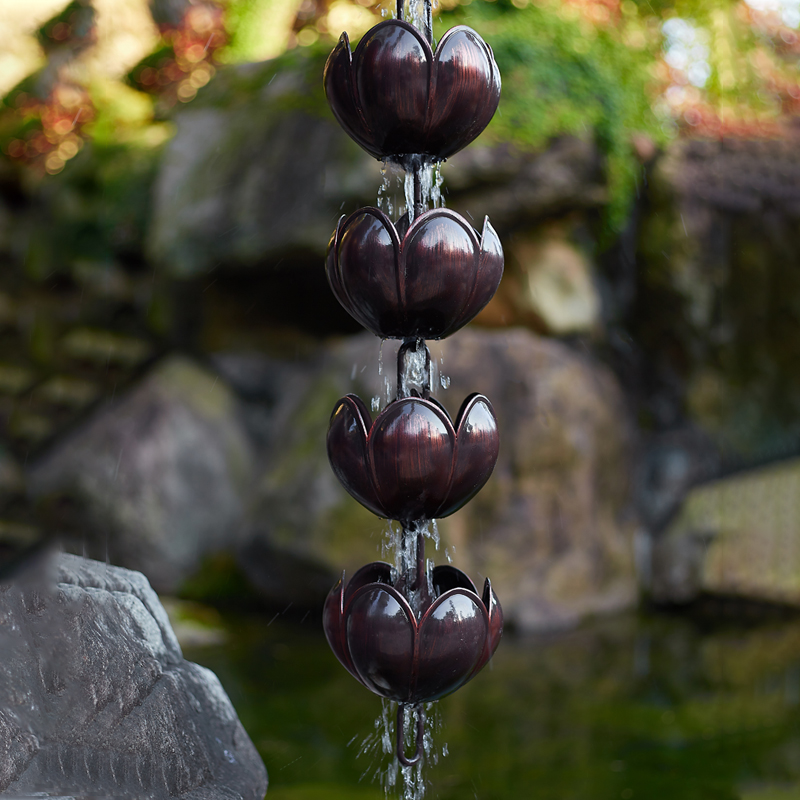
{"x": 378, "y": 748}
{"x": 399, "y": 547}
{"x": 421, "y": 186}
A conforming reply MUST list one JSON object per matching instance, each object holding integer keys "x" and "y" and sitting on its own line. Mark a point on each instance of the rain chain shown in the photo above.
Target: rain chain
{"x": 413, "y": 635}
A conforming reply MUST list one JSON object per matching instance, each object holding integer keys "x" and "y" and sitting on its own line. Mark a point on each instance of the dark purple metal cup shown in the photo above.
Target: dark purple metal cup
{"x": 396, "y": 97}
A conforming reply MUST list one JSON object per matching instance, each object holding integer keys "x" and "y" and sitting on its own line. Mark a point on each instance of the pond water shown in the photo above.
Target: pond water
{"x": 656, "y": 707}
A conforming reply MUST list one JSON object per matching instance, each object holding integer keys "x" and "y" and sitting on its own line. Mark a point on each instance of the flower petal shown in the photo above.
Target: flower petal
{"x": 376, "y": 572}
{"x": 367, "y": 270}
{"x": 347, "y": 451}
{"x": 380, "y": 638}
{"x": 495, "y": 618}
{"x": 392, "y": 66}
{"x": 477, "y": 447}
{"x": 339, "y": 85}
{"x": 466, "y": 91}
{"x": 333, "y": 625}
{"x": 331, "y": 271}
{"x": 446, "y": 577}
{"x": 439, "y": 259}
{"x": 490, "y": 269}
{"x": 452, "y": 639}
{"x": 411, "y": 448}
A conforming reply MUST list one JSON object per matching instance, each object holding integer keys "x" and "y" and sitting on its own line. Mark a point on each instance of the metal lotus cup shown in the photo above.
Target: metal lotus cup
{"x": 395, "y": 96}
{"x": 412, "y": 656}
{"x": 425, "y": 281}
{"x": 417, "y": 632}
{"x": 412, "y": 462}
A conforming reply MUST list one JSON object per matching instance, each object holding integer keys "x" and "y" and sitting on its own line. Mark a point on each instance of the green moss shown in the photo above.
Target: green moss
{"x": 564, "y": 77}
{"x": 219, "y": 581}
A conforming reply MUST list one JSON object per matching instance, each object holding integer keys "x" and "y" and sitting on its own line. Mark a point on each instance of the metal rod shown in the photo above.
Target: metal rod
{"x": 429, "y": 22}
{"x": 418, "y": 208}
{"x": 400, "y": 9}
{"x": 420, "y": 745}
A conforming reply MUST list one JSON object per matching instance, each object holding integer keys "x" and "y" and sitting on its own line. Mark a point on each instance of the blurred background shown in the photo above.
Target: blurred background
{"x": 170, "y": 354}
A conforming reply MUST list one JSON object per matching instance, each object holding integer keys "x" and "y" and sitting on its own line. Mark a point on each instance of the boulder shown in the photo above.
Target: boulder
{"x": 96, "y": 699}
{"x": 259, "y": 170}
{"x": 154, "y": 480}
{"x": 548, "y": 285}
{"x": 553, "y": 527}
{"x": 734, "y": 537}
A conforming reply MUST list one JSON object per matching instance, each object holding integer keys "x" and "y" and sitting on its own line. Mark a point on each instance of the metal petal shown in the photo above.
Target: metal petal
{"x": 333, "y": 625}
{"x": 490, "y": 269}
{"x": 495, "y": 618}
{"x": 380, "y": 632}
{"x": 411, "y": 448}
{"x": 366, "y": 267}
{"x": 446, "y": 577}
{"x": 466, "y": 91}
{"x": 439, "y": 261}
{"x": 392, "y": 67}
{"x": 340, "y": 90}
{"x": 376, "y": 572}
{"x": 347, "y": 451}
{"x": 331, "y": 271}
{"x": 477, "y": 447}
{"x": 452, "y": 639}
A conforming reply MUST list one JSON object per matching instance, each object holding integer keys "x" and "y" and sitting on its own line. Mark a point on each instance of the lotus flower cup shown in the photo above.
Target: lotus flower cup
{"x": 412, "y": 463}
{"x": 395, "y": 97}
{"x": 408, "y": 657}
{"x": 424, "y": 281}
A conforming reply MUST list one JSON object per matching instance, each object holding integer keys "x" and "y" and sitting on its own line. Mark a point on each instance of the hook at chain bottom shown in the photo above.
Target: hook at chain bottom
{"x": 401, "y": 719}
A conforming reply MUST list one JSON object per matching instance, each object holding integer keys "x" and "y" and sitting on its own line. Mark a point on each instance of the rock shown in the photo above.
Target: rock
{"x": 735, "y": 537}
{"x": 710, "y": 337}
{"x": 155, "y": 480}
{"x": 516, "y": 186}
{"x": 255, "y": 172}
{"x": 552, "y": 528}
{"x": 550, "y": 284}
{"x": 259, "y": 169}
{"x": 96, "y": 699}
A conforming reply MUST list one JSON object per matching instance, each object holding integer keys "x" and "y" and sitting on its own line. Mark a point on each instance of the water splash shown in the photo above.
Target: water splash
{"x": 433, "y": 534}
{"x": 415, "y": 13}
{"x": 417, "y": 371}
{"x": 431, "y": 182}
{"x": 399, "y": 548}
{"x": 385, "y": 394}
{"x": 385, "y": 199}
{"x": 437, "y": 199}
{"x": 408, "y": 191}
{"x": 407, "y": 783}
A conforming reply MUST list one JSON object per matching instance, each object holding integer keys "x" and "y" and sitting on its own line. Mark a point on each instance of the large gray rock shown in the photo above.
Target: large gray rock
{"x": 553, "y": 527}
{"x": 155, "y": 480}
{"x": 253, "y": 173}
{"x": 96, "y": 700}
{"x": 735, "y": 537}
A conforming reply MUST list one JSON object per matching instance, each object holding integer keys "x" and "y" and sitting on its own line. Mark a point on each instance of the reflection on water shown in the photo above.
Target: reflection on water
{"x": 658, "y": 708}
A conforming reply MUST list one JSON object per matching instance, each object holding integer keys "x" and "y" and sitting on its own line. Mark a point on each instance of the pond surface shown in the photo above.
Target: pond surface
{"x": 650, "y": 707}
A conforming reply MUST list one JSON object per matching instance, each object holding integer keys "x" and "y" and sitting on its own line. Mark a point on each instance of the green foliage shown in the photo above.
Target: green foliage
{"x": 564, "y": 77}
{"x": 258, "y": 28}
{"x": 293, "y": 81}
